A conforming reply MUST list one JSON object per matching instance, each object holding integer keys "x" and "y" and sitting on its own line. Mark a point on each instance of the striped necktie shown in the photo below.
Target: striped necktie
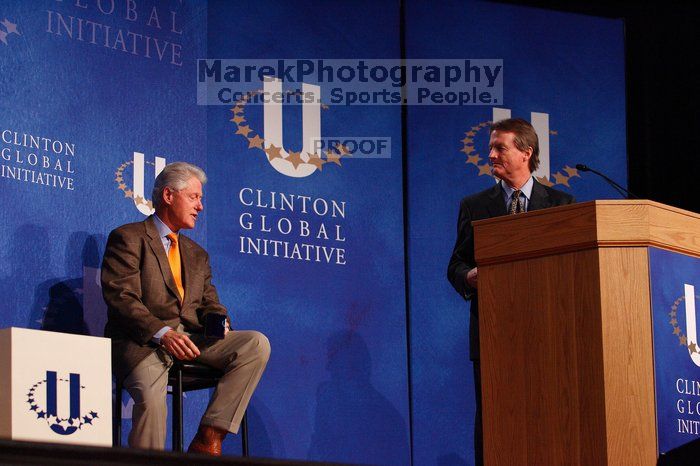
{"x": 176, "y": 264}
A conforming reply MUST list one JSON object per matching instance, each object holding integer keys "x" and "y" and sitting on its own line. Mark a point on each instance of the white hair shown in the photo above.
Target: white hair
{"x": 175, "y": 176}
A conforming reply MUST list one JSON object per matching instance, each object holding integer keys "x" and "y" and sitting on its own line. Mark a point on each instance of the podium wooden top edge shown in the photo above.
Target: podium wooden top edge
{"x": 587, "y": 225}
{"x": 588, "y": 204}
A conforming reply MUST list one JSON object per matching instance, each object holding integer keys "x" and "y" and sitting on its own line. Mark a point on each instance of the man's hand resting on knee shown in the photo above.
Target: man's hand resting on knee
{"x": 179, "y": 345}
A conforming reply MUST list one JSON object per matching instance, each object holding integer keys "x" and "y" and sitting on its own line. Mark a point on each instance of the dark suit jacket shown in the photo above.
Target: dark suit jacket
{"x": 141, "y": 294}
{"x": 486, "y": 204}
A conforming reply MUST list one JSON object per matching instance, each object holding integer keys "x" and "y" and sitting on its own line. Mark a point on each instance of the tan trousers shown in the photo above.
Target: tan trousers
{"x": 242, "y": 355}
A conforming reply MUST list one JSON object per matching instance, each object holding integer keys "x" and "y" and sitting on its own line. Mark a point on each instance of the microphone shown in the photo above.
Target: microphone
{"x": 624, "y": 192}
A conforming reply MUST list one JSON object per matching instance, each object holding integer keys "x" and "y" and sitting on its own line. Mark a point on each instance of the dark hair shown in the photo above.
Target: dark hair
{"x": 525, "y": 137}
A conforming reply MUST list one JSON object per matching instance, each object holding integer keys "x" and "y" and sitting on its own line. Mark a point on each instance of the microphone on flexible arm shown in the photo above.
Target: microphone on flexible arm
{"x": 624, "y": 192}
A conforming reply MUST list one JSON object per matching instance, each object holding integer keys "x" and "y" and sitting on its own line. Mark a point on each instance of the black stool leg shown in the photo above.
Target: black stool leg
{"x": 244, "y": 434}
{"x": 177, "y": 411}
{"x": 117, "y": 418}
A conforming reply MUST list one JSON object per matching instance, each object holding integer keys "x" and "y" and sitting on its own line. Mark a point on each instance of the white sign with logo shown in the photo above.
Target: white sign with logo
{"x": 55, "y": 387}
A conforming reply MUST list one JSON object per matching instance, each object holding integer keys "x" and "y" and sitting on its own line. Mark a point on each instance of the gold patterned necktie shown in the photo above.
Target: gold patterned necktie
{"x": 175, "y": 264}
{"x": 516, "y": 204}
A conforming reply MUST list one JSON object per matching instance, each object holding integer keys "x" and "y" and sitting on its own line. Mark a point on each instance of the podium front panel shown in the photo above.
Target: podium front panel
{"x": 675, "y": 284}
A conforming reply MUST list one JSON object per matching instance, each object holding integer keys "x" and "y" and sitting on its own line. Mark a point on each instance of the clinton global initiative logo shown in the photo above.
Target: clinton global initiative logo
{"x": 296, "y": 164}
{"x": 540, "y": 121}
{"x": 689, "y": 338}
{"x": 43, "y": 400}
{"x": 130, "y": 179}
{"x": 6, "y": 29}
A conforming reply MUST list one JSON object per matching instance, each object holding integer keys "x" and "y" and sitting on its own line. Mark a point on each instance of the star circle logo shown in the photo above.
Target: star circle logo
{"x": 561, "y": 177}
{"x": 129, "y": 190}
{"x": 296, "y": 164}
{"x": 683, "y": 340}
{"x": 136, "y": 190}
{"x": 43, "y": 401}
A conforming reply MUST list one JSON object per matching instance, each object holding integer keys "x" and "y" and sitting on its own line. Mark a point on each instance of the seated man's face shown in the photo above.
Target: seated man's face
{"x": 185, "y": 205}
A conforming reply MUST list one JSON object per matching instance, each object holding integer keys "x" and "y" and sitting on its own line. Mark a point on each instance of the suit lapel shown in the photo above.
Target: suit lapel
{"x": 187, "y": 265}
{"x": 156, "y": 245}
{"x": 495, "y": 203}
{"x": 539, "y": 199}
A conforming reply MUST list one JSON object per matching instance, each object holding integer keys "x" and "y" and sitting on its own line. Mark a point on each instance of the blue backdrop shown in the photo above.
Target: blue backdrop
{"x": 97, "y": 98}
{"x": 336, "y": 387}
{"x": 72, "y": 73}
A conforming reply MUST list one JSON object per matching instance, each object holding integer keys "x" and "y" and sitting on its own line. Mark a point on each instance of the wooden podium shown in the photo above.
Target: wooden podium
{"x": 566, "y": 331}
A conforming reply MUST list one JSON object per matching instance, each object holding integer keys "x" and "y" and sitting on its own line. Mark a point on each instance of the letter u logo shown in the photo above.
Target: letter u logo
{"x": 52, "y": 401}
{"x": 311, "y": 126}
{"x": 691, "y": 331}
{"x": 139, "y": 181}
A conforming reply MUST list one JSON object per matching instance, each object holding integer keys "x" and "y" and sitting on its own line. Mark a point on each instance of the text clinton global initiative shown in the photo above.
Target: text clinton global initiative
{"x": 291, "y": 226}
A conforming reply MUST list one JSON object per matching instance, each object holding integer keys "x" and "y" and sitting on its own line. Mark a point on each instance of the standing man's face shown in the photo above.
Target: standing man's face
{"x": 507, "y": 161}
{"x": 183, "y": 206}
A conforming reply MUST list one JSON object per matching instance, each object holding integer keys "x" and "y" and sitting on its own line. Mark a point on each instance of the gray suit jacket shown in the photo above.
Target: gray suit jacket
{"x": 141, "y": 294}
{"x": 486, "y": 204}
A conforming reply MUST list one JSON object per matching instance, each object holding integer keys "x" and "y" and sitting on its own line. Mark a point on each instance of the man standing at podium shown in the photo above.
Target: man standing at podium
{"x": 157, "y": 286}
{"x": 514, "y": 156}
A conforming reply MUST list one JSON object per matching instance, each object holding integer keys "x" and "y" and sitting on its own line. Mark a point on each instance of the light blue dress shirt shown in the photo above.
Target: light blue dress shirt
{"x": 526, "y": 192}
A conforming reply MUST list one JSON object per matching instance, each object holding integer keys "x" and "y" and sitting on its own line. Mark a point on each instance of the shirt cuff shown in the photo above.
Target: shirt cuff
{"x": 159, "y": 334}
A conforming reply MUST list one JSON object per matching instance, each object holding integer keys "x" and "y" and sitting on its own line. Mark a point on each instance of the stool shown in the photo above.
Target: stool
{"x": 184, "y": 376}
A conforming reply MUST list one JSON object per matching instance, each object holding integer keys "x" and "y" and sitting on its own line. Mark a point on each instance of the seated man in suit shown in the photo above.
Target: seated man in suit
{"x": 514, "y": 156}
{"x": 157, "y": 286}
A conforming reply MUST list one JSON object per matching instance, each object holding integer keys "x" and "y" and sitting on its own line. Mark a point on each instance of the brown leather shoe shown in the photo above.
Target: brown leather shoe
{"x": 207, "y": 441}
